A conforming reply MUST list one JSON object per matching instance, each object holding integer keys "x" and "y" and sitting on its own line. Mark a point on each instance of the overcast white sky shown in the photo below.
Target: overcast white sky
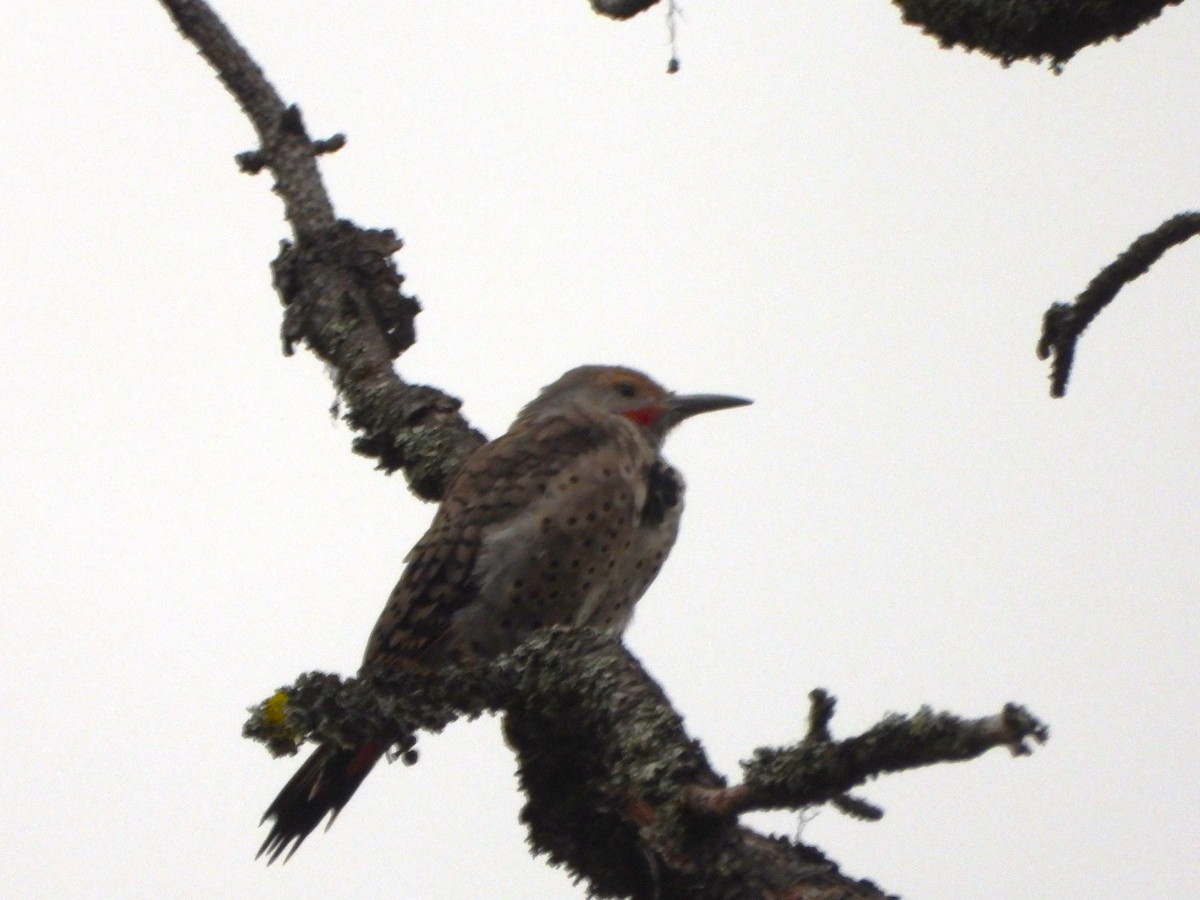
{"x": 822, "y": 211}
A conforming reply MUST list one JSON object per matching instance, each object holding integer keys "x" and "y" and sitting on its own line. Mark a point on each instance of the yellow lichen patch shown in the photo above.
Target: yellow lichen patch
{"x": 275, "y": 709}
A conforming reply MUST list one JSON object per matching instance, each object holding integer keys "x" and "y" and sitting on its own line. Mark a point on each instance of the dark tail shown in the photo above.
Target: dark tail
{"x": 324, "y": 784}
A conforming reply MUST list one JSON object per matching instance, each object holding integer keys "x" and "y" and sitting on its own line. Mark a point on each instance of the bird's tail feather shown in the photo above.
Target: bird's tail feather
{"x": 323, "y": 785}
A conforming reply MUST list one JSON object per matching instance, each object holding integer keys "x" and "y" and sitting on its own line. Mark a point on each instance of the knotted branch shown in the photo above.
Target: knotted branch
{"x": 337, "y": 281}
{"x": 616, "y": 789}
{"x": 1063, "y": 323}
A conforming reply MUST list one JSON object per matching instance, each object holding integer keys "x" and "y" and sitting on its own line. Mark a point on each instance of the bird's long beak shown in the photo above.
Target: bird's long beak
{"x": 684, "y": 406}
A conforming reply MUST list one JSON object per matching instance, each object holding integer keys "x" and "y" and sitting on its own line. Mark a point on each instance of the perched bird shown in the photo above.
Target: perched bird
{"x": 564, "y": 520}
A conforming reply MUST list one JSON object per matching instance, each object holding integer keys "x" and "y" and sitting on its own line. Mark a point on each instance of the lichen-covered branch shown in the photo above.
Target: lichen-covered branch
{"x": 819, "y": 769}
{"x": 1037, "y": 30}
{"x": 616, "y": 789}
{"x": 340, "y": 287}
{"x": 1063, "y": 323}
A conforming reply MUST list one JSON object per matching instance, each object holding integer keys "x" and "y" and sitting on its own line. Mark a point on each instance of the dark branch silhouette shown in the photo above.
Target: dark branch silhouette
{"x": 621, "y": 9}
{"x": 616, "y": 789}
{"x": 1036, "y": 30}
{"x": 1009, "y": 30}
{"x": 1063, "y": 323}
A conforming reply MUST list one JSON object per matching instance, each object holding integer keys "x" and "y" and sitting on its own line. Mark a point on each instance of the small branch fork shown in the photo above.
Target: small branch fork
{"x": 1063, "y": 323}
{"x": 616, "y": 789}
{"x": 819, "y": 769}
{"x": 341, "y": 290}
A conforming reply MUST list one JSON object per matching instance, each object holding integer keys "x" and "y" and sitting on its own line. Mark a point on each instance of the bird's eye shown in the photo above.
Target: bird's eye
{"x": 626, "y": 388}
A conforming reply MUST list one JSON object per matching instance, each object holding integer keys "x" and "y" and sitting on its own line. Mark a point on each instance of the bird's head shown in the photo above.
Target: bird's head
{"x": 628, "y": 393}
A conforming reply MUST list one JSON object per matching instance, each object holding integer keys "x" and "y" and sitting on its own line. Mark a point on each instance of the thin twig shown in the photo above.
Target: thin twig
{"x": 1063, "y": 323}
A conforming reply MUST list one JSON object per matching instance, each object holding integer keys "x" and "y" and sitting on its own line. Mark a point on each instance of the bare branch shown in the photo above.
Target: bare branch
{"x": 338, "y": 282}
{"x": 613, "y": 780}
{"x": 820, "y": 714}
{"x": 254, "y": 161}
{"x": 1063, "y": 323}
{"x": 280, "y": 131}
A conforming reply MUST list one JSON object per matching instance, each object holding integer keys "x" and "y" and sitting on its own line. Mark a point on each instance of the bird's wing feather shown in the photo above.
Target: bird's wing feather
{"x": 496, "y": 484}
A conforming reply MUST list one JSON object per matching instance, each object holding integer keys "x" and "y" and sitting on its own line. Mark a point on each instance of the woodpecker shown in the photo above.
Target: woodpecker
{"x": 566, "y": 519}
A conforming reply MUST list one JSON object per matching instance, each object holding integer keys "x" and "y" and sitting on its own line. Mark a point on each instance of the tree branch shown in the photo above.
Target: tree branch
{"x": 820, "y": 770}
{"x": 616, "y": 790}
{"x": 1035, "y": 30}
{"x": 1009, "y": 30}
{"x": 338, "y": 283}
{"x": 1063, "y": 323}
